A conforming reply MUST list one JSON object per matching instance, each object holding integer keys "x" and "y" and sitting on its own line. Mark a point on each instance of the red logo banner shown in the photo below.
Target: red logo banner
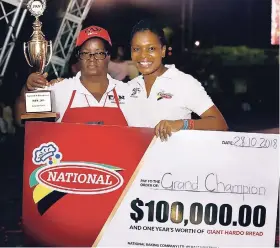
{"x": 74, "y": 175}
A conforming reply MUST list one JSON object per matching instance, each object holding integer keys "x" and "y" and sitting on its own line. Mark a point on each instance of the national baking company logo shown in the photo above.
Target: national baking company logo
{"x": 163, "y": 95}
{"x": 54, "y": 178}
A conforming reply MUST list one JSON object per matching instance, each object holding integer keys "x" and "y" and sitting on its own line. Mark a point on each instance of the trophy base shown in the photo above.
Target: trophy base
{"x": 43, "y": 116}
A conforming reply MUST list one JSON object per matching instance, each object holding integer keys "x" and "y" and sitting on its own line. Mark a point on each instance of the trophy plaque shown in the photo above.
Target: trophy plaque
{"x": 38, "y": 52}
{"x": 39, "y": 101}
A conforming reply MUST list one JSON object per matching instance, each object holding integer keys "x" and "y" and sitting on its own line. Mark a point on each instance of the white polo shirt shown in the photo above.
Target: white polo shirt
{"x": 62, "y": 93}
{"x": 174, "y": 95}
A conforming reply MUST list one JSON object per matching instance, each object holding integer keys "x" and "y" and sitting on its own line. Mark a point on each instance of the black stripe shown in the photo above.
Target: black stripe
{"x": 45, "y": 203}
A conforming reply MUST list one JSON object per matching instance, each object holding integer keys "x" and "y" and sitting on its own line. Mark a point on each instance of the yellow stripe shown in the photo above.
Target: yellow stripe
{"x": 40, "y": 192}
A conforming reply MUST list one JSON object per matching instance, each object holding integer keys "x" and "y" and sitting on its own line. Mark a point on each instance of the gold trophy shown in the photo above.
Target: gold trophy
{"x": 38, "y": 54}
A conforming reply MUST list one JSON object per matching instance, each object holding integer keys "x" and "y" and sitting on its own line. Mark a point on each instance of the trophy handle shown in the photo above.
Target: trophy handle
{"x": 51, "y": 50}
{"x": 26, "y": 57}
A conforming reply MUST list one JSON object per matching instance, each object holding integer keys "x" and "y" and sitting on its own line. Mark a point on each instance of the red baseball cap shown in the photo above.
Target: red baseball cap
{"x": 91, "y": 32}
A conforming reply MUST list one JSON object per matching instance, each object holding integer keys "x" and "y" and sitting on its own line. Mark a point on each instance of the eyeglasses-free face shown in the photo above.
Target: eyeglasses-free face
{"x": 147, "y": 52}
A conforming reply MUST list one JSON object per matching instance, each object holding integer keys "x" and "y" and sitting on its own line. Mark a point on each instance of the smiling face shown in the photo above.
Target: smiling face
{"x": 147, "y": 52}
{"x": 92, "y": 66}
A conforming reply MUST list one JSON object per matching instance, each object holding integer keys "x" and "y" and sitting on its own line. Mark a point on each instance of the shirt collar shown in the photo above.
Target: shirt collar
{"x": 80, "y": 88}
{"x": 169, "y": 74}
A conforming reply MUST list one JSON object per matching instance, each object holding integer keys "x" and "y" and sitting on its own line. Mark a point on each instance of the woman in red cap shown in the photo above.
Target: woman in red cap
{"x": 92, "y": 96}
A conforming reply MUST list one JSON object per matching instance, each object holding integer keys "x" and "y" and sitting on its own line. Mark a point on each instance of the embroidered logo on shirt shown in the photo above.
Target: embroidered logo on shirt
{"x": 135, "y": 92}
{"x": 163, "y": 95}
{"x": 112, "y": 99}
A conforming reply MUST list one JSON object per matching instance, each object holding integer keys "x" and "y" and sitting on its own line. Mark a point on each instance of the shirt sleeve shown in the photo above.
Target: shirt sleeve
{"x": 198, "y": 101}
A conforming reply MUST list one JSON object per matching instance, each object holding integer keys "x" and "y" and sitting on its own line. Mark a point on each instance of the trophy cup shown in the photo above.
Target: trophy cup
{"x": 38, "y": 54}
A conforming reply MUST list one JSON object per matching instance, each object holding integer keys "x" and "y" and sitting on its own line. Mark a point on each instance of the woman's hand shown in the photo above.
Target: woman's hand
{"x": 37, "y": 81}
{"x": 165, "y": 128}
